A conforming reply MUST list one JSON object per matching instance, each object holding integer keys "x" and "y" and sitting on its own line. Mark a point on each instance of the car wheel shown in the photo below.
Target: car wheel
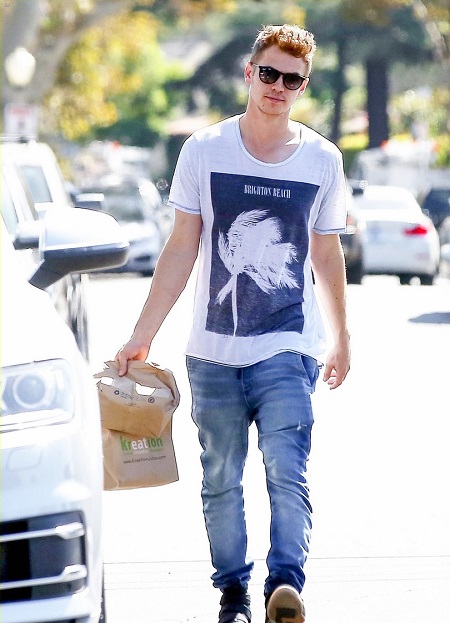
{"x": 355, "y": 274}
{"x": 426, "y": 280}
{"x": 405, "y": 280}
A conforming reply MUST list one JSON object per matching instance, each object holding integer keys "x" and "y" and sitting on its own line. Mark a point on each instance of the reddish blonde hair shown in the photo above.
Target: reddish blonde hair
{"x": 289, "y": 38}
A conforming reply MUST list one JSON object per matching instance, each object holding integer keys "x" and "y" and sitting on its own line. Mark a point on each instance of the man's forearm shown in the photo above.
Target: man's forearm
{"x": 169, "y": 280}
{"x": 331, "y": 285}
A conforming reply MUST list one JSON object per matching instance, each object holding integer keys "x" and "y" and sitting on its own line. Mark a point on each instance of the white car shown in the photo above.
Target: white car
{"x": 31, "y": 174}
{"x": 137, "y": 205}
{"x": 444, "y": 236}
{"x": 399, "y": 239}
{"x": 51, "y": 452}
{"x": 39, "y": 167}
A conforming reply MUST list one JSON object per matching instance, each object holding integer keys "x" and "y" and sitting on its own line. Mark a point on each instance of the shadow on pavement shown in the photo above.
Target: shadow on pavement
{"x": 432, "y": 318}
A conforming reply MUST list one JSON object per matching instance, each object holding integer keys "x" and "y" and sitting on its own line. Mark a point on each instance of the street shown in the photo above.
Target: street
{"x": 379, "y": 472}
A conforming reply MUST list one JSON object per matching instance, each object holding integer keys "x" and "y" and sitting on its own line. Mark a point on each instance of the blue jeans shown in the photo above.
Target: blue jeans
{"x": 275, "y": 394}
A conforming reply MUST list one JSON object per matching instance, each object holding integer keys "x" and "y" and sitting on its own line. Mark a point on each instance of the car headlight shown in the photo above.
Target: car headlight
{"x": 36, "y": 394}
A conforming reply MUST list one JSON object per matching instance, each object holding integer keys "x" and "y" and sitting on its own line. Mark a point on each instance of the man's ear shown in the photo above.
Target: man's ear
{"x": 303, "y": 88}
{"x": 248, "y": 72}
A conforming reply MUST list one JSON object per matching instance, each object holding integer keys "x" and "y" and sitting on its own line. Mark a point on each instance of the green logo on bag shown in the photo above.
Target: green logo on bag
{"x": 139, "y": 445}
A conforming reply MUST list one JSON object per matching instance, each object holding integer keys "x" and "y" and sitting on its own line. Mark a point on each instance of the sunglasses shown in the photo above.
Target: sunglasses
{"x": 269, "y": 75}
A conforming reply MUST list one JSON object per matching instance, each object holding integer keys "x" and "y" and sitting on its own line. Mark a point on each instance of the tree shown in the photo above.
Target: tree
{"x": 220, "y": 77}
{"x": 111, "y": 84}
{"x": 48, "y": 29}
{"x": 410, "y": 43}
{"x": 371, "y": 35}
{"x": 388, "y": 32}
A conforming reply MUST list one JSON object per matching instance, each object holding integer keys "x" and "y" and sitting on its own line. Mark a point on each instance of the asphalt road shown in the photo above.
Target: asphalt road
{"x": 379, "y": 473}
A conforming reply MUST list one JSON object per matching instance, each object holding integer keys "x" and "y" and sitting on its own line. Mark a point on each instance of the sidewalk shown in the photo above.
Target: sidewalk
{"x": 379, "y": 526}
{"x": 366, "y": 590}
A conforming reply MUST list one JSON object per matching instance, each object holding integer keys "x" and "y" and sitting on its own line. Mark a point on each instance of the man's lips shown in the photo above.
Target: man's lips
{"x": 273, "y": 98}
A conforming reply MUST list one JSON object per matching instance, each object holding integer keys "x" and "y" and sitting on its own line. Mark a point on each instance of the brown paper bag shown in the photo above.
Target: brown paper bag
{"x": 140, "y": 403}
{"x": 130, "y": 462}
{"x": 136, "y": 412}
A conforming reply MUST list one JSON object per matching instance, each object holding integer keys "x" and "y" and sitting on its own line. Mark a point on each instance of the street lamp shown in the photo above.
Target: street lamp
{"x": 19, "y": 67}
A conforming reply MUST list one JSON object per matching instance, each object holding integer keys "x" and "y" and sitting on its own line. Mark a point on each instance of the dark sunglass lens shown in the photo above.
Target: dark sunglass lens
{"x": 269, "y": 75}
{"x": 292, "y": 81}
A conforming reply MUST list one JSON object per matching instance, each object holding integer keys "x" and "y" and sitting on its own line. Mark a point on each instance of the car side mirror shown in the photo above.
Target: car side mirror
{"x": 90, "y": 201}
{"x": 76, "y": 240}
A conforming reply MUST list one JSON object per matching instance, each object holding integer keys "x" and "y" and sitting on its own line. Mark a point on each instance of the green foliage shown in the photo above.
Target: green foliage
{"x": 442, "y": 151}
{"x": 376, "y": 13}
{"x": 115, "y": 83}
{"x": 114, "y": 77}
{"x": 351, "y": 145}
{"x": 420, "y": 108}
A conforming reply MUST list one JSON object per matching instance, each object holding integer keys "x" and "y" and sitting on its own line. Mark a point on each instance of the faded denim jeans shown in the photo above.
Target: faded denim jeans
{"x": 275, "y": 394}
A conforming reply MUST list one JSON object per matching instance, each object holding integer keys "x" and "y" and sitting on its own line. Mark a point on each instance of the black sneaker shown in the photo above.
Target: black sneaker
{"x": 235, "y": 605}
{"x": 286, "y": 605}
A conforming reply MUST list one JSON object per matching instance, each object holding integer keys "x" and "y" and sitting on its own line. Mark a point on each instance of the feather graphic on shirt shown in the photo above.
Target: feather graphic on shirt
{"x": 253, "y": 247}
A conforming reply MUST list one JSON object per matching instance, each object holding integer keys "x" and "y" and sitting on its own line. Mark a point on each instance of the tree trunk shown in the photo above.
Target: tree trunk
{"x": 377, "y": 100}
{"x": 340, "y": 89}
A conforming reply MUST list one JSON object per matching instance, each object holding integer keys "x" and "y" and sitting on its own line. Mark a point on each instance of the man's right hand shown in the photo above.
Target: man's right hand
{"x": 132, "y": 350}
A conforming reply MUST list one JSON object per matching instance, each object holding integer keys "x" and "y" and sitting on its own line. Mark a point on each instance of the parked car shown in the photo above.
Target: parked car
{"x": 135, "y": 204}
{"x": 18, "y": 211}
{"x": 51, "y": 455}
{"x": 399, "y": 238}
{"x": 39, "y": 167}
{"x": 435, "y": 203}
{"x": 32, "y": 182}
{"x": 444, "y": 237}
{"x": 352, "y": 242}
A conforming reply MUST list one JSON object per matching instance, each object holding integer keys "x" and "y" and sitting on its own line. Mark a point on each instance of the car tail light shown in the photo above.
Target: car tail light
{"x": 416, "y": 230}
{"x": 351, "y": 221}
{"x": 351, "y": 224}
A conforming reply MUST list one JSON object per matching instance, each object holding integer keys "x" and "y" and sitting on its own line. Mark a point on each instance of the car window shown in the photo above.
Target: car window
{"x": 374, "y": 202}
{"x": 385, "y": 205}
{"x": 438, "y": 200}
{"x": 35, "y": 178}
{"x": 9, "y": 213}
{"x": 124, "y": 204}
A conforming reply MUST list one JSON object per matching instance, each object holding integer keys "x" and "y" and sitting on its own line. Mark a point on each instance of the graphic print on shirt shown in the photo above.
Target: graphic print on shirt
{"x": 259, "y": 245}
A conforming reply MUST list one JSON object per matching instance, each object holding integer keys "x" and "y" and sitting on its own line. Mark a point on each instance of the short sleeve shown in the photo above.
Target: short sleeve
{"x": 332, "y": 214}
{"x": 185, "y": 192}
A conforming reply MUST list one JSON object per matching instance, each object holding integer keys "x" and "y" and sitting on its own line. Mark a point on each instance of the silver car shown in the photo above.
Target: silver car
{"x": 137, "y": 206}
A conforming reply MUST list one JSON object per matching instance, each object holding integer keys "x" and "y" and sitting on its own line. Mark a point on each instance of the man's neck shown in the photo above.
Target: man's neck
{"x": 269, "y": 138}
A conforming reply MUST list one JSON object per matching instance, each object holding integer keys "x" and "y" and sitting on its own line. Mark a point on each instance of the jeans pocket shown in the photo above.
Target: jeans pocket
{"x": 312, "y": 369}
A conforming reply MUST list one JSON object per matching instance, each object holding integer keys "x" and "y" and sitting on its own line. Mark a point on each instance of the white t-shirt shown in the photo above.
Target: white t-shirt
{"x": 254, "y": 296}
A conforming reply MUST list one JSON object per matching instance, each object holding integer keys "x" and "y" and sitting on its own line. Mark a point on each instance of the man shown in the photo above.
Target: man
{"x": 265, "y": 196}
